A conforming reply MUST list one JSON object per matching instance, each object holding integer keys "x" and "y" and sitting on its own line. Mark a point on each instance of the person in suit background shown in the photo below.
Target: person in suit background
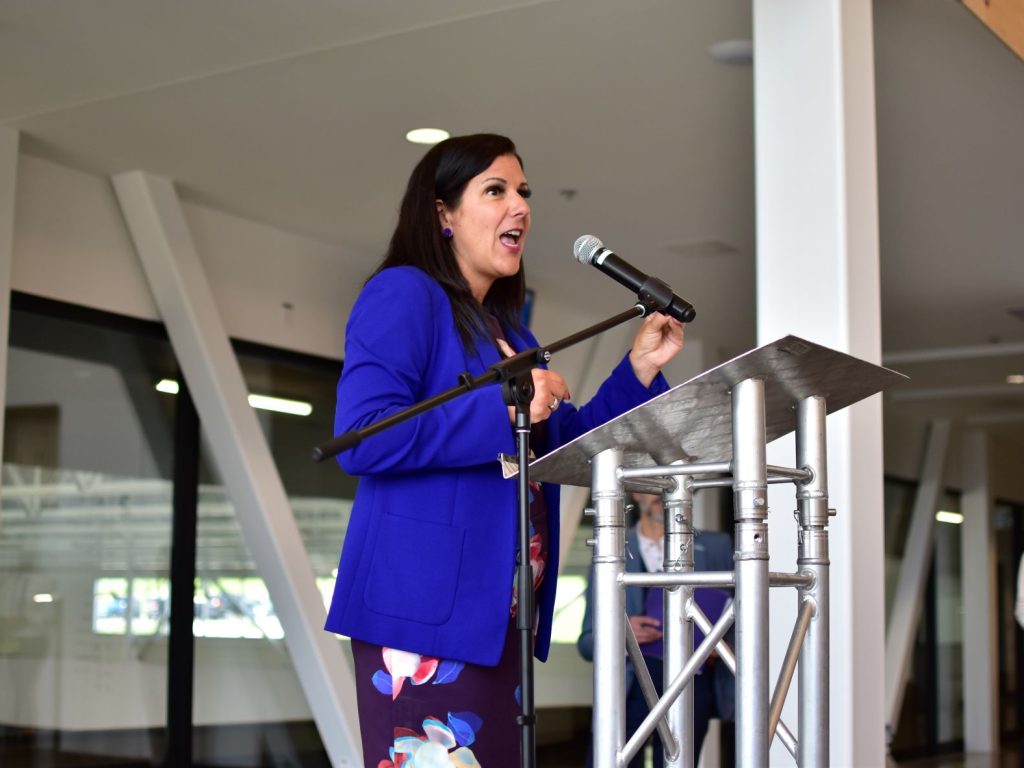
{"x": 714, "y": 686}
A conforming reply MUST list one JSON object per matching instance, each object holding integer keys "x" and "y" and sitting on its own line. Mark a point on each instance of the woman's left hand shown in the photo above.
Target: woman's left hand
{"x": 659, "y": 340}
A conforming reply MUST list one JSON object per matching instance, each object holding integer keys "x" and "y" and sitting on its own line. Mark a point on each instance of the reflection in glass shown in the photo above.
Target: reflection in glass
{"x": 932, "y": 710}
{"x": 239, "y": 637}
{"x": 84, "y": 539}
{"x": 1009, "y": 534}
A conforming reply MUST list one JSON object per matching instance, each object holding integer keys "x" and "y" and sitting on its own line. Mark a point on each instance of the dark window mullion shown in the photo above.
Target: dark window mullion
{"x": 1017, "y": 513}
{"x": 181, "y": 648}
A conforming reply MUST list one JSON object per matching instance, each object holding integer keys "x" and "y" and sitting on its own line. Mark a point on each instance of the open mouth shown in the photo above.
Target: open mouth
{"x": 511, "y": 237}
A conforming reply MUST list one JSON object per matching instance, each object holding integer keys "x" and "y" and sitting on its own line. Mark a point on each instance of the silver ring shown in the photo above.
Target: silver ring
{"x": 555, "y": 402}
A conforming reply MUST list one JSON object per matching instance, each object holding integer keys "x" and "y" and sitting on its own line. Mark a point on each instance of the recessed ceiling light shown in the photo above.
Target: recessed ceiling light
{"x": 1015, "y": 378}
{"x": 426, "y": 135}
{"x": 944, "y": 516}
{"x": 738, "y": 53}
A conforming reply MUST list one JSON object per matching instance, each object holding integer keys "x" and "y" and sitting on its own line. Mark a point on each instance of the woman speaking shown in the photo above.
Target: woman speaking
{"x": 425, "y": 586}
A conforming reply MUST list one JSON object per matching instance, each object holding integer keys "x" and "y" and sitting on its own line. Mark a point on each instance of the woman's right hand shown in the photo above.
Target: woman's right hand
{"x": 549, "y": 391}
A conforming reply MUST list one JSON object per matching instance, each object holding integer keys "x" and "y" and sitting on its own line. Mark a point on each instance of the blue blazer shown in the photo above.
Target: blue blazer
{"x": 429, "y": 554}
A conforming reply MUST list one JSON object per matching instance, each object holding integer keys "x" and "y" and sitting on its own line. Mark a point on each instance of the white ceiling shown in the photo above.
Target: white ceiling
{"x": 294, "y": 113}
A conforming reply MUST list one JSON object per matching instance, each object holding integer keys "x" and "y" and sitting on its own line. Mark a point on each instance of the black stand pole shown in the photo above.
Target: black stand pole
{"x": 517, "y": 389}
{"x": 518, "y": 393}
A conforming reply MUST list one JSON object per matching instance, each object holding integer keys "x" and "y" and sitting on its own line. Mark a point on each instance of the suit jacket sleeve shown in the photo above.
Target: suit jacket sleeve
{"x": 616, "y": 395}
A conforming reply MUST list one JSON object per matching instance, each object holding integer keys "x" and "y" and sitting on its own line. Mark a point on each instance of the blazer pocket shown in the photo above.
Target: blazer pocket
{"x": 414, "y": 572}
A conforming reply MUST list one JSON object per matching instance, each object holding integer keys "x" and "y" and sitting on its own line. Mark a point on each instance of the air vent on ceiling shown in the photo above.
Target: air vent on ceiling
{"x": 709, "y": 247}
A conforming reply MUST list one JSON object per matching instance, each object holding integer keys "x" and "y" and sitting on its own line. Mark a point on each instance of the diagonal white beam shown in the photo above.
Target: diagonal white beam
{"x": 906, "y": 606}
{"x": 175, "y": 275}
{"x": 8, "y": 179}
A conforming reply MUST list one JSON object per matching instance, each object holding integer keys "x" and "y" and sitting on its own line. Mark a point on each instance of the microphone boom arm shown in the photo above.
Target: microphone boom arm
{"x": 502, "y": 371}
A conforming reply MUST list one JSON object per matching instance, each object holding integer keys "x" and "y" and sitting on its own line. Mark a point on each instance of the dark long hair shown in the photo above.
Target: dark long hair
{"x": 443, "y": 174}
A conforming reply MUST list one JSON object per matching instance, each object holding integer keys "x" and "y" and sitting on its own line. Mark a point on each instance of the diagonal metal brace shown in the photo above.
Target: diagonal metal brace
{"x": 729, "y": 658}
{"x": 643, "y": 677}
{"x": 700, "y": 655}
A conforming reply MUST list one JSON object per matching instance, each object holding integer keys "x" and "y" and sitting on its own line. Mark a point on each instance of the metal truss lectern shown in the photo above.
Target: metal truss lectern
{"x": 711, "y": 432}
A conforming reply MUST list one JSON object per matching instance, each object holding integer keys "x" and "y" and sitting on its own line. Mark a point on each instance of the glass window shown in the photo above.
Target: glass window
{"x": 84, "y": 537}
{"x": 949, "y": 623}
{"x": 932, "y": 711}
{"x": 1009, "y": 532}
{"x": 238, "y": 634}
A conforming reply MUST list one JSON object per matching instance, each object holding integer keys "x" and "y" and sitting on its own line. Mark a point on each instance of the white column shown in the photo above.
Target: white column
{"x": 817, "y": 264}
{"x": 175, "y": 274}
{"x": 8, "y": 179}
{"x": 978, "y": 566}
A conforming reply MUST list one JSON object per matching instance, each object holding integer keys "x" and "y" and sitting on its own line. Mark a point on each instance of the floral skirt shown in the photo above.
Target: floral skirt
{"x": 424, "y": 712}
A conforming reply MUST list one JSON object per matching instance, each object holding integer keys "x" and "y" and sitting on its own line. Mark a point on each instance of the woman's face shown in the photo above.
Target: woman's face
{"x": 489, "y": 226}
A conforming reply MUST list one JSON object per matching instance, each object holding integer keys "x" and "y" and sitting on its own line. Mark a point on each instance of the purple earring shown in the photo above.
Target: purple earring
{"x": 447, "y": 233}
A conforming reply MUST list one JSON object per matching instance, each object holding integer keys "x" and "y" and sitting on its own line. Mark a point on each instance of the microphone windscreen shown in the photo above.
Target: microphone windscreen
{"x": 586, "y": 248}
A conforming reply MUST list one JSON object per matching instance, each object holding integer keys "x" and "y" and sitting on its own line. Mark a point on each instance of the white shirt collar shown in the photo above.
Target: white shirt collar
{"x": 651, "y": 552}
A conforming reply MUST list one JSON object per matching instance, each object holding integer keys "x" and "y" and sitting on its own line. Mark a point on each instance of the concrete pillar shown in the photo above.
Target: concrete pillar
{"x": 818, "y": 277}
{"x": 978, "y": 566}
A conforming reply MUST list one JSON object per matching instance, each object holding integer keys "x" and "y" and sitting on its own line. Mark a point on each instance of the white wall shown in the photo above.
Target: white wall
{"x": 71, "y": 244}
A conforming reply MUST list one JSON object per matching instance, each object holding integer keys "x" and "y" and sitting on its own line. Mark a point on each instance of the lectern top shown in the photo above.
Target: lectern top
{"x": 693, "y": 421}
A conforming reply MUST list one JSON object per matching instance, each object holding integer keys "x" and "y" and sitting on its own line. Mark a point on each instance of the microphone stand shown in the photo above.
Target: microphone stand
{"x": 517, "y": 389}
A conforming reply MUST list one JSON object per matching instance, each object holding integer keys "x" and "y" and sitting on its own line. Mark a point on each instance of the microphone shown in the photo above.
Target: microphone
{"x": 650, "y": 290}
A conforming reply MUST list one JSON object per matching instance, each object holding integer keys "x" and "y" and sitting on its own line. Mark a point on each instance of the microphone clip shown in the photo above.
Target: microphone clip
{"x": 655, "y": 295}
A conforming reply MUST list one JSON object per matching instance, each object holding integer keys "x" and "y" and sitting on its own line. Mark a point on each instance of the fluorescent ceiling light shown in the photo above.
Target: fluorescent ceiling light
{"x": 167, "y": 386}
{"x": 280, "y": 405}
{"x": 426, "y": 135}
{"x": 1015, "y": 378}
{"x": 263, "y": 402}
{"x": 949, "y": 517}
{"x": 42, "y": 597}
